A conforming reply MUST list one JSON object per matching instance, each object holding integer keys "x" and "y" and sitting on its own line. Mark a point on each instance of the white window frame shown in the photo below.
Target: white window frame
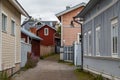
{"x": 3, "y": 13}
{"x": 89, "y": 53}
{"x": 46, "y": 31}
{"x": 14, "y": 31}
{"x": 85, "y": 44}
{"x": 114, "y": 22}
{"x": 97, "y": 42}
{"x": 78, "y": 38}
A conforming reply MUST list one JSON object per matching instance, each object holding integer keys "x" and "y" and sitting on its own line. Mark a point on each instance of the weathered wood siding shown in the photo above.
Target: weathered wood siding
{"x": 104, "y": 21}
{"x": 11, "y": 44}
{"x": 69, "y": 33}
{"x": 46, "y": 50}
{"x": 105, "y": 64}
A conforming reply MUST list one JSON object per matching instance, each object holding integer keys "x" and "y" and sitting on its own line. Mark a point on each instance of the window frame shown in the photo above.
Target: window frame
{"x": 114, "y": 22}
{"x": 89, "y": 53}
{"x": 85, "y": 44}
{"x": 46, "y": 31}
{"x": 98, "y": 44}
{"x": 78, "y": 37}
{"x": 5, "y": 24}
{"x": 13, "y": 31}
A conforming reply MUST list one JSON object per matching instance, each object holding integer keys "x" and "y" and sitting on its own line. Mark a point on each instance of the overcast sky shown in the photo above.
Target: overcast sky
{"x": 46, "y": 9}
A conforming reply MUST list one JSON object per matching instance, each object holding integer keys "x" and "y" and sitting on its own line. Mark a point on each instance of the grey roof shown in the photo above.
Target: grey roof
{"x": 30, "y": 24}
{"x": 31, "y": 35}
{"x": 48, "y": 26}
{"x": 89, "y": 6}
{"x": 72, "y": 8}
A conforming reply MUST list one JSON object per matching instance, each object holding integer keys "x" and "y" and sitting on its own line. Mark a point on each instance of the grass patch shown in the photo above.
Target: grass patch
{"x": 4, "y": 76}
{"x": 82, "y": 75}
{"x": 48, "y": 55}
{"x": 65, "y": 62}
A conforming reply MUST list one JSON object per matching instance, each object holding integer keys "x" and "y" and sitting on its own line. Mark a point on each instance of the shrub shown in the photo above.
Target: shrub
{"x": 31, "y": 61}
{"x": 4, "y": 76}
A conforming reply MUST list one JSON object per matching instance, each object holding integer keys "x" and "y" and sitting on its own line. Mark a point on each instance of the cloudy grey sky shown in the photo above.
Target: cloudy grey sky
{"x": 46, "y": 9}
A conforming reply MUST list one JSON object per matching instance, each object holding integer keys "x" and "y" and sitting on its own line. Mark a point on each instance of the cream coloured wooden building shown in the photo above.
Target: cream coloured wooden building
{"x": 10, "y": 27}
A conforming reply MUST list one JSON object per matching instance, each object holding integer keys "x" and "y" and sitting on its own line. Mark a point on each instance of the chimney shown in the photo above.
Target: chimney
{"x": 67, "y": 7}
{"x": 33, "y": 30}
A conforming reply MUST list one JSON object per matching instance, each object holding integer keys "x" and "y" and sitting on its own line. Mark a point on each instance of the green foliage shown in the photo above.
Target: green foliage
{"x": 59, "y": 30}
{"x": 42, "y": 57}
{"x": 65, "y": 62}
{"x": 83, "y": 75}
{"x": 4, "y": 76}
{"x": 47, "y": 55}
{"x": 99, "y": 77}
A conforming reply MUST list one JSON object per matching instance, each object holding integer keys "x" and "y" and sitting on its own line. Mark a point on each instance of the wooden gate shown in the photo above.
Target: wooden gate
{"x": 68, "y": 53}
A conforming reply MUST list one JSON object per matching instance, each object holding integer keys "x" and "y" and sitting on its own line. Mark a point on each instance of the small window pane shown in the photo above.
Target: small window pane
{"x": 114, "y": 36}
{"x": 89, "y": 43}
{"x": 12, "y": 27}
{"x": 46, "y": 32}
{"x": 4, "y": 22}
{"x": 85, "y": 44}
{"x": 98, "y": 41}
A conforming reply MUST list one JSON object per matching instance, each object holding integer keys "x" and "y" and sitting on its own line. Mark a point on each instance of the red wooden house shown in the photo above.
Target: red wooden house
{"x": 47, "y": 33}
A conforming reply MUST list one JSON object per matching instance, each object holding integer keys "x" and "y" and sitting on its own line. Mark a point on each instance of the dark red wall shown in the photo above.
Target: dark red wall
{"x": 47, "y": 40}
{"x": 36, "y": 47}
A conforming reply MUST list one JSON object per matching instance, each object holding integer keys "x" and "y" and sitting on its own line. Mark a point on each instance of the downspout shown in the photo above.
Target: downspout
{"x": 26, "y": 21}
{"x": 81, "y": 42}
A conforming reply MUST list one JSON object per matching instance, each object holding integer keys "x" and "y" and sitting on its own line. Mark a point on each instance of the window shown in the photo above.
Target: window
{"x": 85, "y": 44}
{"x": 4, "y": 22}
{"x": 12, "y": 27}
{"x": 89, "y": 43}
{"x": 46, "y": 32}
{"x": 98, "y": 41}
{"x": 114, "y": 39}
{"x": 79, "y": 37}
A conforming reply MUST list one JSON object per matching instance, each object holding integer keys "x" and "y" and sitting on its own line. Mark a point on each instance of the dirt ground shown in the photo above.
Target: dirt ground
{"x": 48, "y": 69}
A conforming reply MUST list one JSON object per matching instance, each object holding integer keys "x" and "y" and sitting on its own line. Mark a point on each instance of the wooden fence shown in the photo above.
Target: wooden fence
{"x": 45, "y": 50}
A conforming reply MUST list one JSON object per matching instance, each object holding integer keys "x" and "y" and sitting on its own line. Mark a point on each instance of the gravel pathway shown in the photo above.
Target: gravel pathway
{"x": 48, "y": 69}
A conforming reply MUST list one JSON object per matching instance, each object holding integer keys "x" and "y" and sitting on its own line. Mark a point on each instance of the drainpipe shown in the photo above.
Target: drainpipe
{"x": 81, "y": 41}
{"x": 26, "y": 21}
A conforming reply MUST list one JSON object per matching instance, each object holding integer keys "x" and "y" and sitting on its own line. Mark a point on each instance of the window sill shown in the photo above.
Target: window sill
{"x": 12, "y": 35}
{"x": 104, "y": 58}
{"x": 4, "y": 31}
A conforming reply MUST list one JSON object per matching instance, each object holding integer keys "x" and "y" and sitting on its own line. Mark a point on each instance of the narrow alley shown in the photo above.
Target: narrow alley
{"x": 48, "y": 69}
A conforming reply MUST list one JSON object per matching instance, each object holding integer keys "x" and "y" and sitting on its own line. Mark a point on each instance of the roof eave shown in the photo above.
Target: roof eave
{"x": 17, "y": 5}
{"x": 90, "y": 4}
{"x": 72, "y": 8}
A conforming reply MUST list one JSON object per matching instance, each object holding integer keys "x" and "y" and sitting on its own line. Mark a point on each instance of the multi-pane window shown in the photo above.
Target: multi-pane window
{"x": 114, "y": 35}
{"x": 4, "y": 22}
{"x": 85, "y": 44}
{"x": 46, "y": 31}
{"x": 89, "y": 43}
{"x": 12, "y": 27}
{"x": 98, "y": 41}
